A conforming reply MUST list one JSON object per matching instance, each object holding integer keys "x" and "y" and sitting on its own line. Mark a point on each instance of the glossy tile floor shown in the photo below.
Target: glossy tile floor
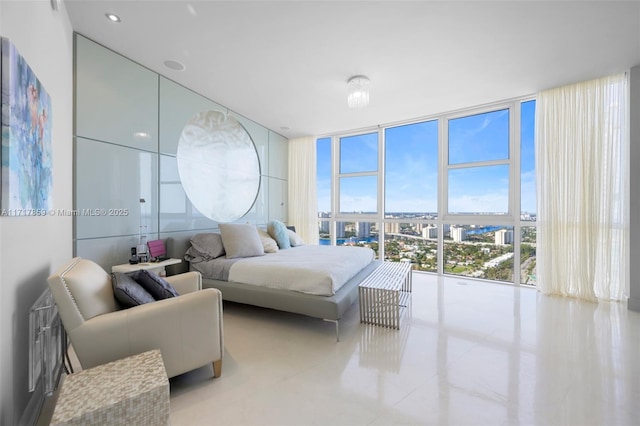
{"x": 469, "y": 352}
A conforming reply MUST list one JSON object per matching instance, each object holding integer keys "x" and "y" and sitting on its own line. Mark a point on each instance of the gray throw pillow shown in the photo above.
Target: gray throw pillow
{"x": 208, "y": 244}
{"x": 128, "y": 292}
{"x": 155, "y": 285}
{"x": 241, "y": 240}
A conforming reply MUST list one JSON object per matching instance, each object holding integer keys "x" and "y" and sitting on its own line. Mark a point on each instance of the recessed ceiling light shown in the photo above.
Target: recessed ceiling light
{"x": 113, "y": 17}
{"x": 174, "y": 65}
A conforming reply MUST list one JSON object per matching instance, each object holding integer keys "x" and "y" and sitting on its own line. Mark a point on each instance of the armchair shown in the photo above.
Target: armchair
{"x": 187, "y": 329}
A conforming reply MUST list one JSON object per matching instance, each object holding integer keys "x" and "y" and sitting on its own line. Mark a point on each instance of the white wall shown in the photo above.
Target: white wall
{"x": 32, "y": 247}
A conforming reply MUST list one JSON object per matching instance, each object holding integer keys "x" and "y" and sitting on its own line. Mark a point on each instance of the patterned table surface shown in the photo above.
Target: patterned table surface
{"x": 112, "y": 385}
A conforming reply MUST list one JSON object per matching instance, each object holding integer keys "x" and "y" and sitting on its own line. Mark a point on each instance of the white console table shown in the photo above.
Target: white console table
{"x": 155, "y": 267}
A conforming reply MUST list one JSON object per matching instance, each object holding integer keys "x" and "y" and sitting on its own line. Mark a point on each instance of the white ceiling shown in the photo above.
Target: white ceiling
{"x": 285, "y": 64}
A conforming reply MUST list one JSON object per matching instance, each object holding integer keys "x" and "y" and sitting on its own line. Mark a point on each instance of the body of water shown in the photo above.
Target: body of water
{"x": 341, "y": 241}
{"x": 476, "y": 231}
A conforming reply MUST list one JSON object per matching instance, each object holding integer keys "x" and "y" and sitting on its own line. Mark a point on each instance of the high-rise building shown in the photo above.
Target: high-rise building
{"x": 392, "y": 228}
{"x": 324, "y": 227}
{"x": 364, "y": 229}
{"x": 504, "y": 236}
{"x": 458, "y": 233}
{"x": 430, "y": 231}
{"x": 339, "y": 229}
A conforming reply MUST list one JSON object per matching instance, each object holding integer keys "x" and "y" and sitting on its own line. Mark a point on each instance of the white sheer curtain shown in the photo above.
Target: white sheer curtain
{"x": 582, "y": 173}
{"x": 303, "y": 199}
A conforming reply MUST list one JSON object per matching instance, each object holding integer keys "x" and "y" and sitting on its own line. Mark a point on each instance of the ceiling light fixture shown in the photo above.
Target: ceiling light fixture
{"x": 358, "y": 91}
{"x": 174, "y": 65}
{"x": 113, "y": 17}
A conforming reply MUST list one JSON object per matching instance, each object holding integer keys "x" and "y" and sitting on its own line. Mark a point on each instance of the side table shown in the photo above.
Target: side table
{"x": 130, "y": 391}
{"x": 155, "y": 267}
{"x": 385, "y": 293}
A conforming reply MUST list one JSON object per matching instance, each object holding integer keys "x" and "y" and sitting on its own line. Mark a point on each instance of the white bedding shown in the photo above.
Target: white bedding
{"x": 319, "y": 270}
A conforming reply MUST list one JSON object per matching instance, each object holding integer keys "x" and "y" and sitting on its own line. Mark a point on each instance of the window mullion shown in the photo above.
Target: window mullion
{"x": 443, "y": 150}
{"x": 381, "y": 192}
{"x": 335, "y": 187}
{"x": 515, "y": 187}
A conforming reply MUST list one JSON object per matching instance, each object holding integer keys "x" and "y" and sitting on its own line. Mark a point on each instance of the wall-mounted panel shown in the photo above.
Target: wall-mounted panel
{"x": 128, "y": 124}
{"x": 259, "y": 213}
{"x": 177, "y": 213}
{"x": 278, "y": 200}
{"x": 260, "y": 137}
{"x": 110, "y": 180}
{"x": 278, "y": 155}
{"x": 177, "y": 106}
{"x": 116, "y": 99}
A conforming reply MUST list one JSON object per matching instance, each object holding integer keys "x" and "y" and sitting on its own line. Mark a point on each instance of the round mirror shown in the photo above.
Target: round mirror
{"x": 218, "y": 166}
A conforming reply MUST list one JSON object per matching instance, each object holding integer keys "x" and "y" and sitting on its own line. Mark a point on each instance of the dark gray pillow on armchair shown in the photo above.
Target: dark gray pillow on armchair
{"x": 128, "y": 292}
{"x": 155, "y": 285}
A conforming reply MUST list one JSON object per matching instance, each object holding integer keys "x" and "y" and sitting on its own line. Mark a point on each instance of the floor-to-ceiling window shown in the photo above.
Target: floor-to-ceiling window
{"x": 478, "y": 165}
{"x": 411, "y": 194}
{"x": 452, "y": 194}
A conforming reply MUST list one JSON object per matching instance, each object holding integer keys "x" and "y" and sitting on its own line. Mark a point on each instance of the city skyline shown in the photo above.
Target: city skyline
{"x": 477, "y": 251}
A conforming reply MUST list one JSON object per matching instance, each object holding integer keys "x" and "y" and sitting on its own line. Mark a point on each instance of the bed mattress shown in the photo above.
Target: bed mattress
{"x": 315, "y": 270}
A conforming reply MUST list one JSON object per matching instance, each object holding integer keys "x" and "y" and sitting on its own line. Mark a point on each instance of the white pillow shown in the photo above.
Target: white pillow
{"x": 268, "y": 243}
{"x": 295, "y": 239}
{"x": 240, "y": 240}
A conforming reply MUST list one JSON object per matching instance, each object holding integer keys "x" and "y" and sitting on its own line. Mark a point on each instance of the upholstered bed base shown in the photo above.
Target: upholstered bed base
{"x": 329, "y": 308}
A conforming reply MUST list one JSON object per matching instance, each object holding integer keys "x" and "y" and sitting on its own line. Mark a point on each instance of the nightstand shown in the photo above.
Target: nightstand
{"x": 155, "y": 267}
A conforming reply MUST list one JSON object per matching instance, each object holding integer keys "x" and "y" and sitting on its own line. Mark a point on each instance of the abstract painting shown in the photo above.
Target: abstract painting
{"x": 26, "y": 138}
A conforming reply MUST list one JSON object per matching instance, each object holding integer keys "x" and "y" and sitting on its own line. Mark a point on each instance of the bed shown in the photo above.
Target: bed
{"x": 317, "y": 281}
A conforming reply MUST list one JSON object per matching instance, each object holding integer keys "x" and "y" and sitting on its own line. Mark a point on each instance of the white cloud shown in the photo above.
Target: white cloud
{"x": 350, "y": 203}
{"x": 485, "y": 203}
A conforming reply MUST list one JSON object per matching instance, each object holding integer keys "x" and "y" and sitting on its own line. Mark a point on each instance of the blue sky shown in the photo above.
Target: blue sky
{"x": 411, "y": 166}
{"x": 411, "y": 163}
{"x": 527, "y": 158}
{"x": 474, "y": 139}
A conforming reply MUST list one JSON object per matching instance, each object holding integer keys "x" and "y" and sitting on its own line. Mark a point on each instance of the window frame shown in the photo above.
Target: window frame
{"x": 337, "y": 176}
{"x": 514, "y": 152}
{"x": 512, "y": 218}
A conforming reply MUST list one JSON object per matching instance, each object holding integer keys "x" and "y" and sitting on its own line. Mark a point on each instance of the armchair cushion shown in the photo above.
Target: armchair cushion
{"x": 154, "y": 284}
{"x": 128, "y": 292}
{"x": 187, "y": 282}
{"x": 82, "y": 291}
